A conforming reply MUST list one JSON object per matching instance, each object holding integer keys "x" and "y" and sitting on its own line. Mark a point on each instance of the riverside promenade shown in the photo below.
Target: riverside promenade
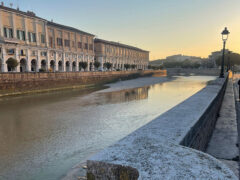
{"x": 223, "y": 144}
{"x": 170, "y": 146}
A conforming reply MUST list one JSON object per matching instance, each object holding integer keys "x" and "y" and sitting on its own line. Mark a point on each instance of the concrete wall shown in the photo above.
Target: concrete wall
{"x": 188, "y": 71}
{"x": 20, "y": 82}
{"x": 199, "y": 135}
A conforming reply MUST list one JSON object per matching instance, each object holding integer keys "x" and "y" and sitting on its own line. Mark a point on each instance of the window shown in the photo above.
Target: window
{"x": 43, "y": 38}
{"x": 22, "y": 52}
{"x": 59, "y": 42}
{"x": 51, "y": 41}
{"x": 79, "y": 44}
{"x": 21, "y": 35}
{"x": 10, "y": 51}
{"x": 31, "y": 37}
{"x": 43, "y": 53}
{"x": 67, "y": 43}
{"x": 86, "y": 46}
{"x": 73, "y": 43}
{"x": 8, "y": 32}
{"x": 34, "y": 53}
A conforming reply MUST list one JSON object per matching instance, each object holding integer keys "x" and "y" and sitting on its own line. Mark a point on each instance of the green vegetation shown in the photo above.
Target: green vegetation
{"x": 182, "y": 64}
{"x": 234, "y": 59}
{"x": 127, "y": 66}
{"x": 133, "y": 66}
{"x": 12, "y": 63}
{"x": 107, "y": 65}
{"x": 83, "y": 65}
{"x": 97, "y": 64}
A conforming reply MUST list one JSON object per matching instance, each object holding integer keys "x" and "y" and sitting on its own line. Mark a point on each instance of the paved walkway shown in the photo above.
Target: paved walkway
{"x": 225, "y": 136}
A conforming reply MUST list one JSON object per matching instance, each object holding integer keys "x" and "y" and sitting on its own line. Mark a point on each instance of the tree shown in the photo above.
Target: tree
{"x": 127, "y": 66}
{"x": 107, "y": 65}
{"x": 83, "y": 65}
{"x": 97, "y": 64}
{"x": 133, "y": 66}
{"x": 233, "y": 57}
{"x": 12, "y": 63}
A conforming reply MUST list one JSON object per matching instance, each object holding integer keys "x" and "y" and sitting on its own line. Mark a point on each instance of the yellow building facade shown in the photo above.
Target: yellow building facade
{"x": 119, "y": 55}
{"x": 38, "y": 44}
{"x": 41, "y": 45}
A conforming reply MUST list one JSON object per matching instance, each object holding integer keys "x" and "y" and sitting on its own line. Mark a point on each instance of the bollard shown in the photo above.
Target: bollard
{"x": 239, "y": 89}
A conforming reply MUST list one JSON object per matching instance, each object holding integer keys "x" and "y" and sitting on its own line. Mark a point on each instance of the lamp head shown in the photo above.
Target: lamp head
{"x": 225, "y": 34}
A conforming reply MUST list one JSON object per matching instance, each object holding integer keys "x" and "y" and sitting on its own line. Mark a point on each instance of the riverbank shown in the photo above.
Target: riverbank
{"x": 26, "y": 83}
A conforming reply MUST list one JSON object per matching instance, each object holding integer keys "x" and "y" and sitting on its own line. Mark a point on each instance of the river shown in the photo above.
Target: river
{"x": 42, "y": 136}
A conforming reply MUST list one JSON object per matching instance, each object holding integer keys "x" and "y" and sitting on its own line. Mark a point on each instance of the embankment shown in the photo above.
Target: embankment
{"x": 191, "y": 72}
{"x": 20, "y": 83}
{"x": 168, "y": 147}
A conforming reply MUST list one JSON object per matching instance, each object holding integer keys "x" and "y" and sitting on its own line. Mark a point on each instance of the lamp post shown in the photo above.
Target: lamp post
{"x": 224, "y": 38}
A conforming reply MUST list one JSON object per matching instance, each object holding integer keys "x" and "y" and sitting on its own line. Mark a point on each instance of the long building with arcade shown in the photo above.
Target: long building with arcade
{"x": 41, "y": 45}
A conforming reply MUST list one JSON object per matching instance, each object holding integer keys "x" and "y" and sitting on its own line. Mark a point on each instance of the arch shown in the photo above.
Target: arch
{"x": 74, "y": 66}
{"x": 44, "y": 65}
{"x": 23, "y": 65}
{"x": 34, "y": 65}
{"x": 52, "y": 65}
{"x": 60, "y": 66}
{"x": 67, "y": 66}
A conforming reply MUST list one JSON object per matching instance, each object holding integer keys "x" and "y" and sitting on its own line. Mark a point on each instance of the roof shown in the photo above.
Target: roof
{"x": 33, "y": 15}
{"x": 118, "y": 44}
{"x": 28, "y": 13}
{"x": 49, "y": 23}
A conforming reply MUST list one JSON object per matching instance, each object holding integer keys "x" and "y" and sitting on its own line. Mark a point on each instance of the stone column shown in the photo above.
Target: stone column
{"x": 17, "y": 69}
{"x": 3, "y": 62}
{"x": 63, "y": 62}
{"x": 48, "y": 61}
{"x": 26, "y": 31}
{"x": 28, "y": 60}
{"x": 36, "y": 31}
{"x": 46, "y": 35}
{"x": 1, "y": 25}
{"x": 38, "y": 61}
{"x": 55, "y": 61}
{"x": 13, "y": 25}
{"x": 77, "y": 63}
{"x": 70, "y": 65}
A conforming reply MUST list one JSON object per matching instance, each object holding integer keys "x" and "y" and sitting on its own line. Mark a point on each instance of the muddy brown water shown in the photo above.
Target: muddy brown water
{"x": 42, "y": 136}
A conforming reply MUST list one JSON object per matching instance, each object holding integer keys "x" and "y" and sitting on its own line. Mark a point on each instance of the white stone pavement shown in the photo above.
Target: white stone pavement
{"x": 225, "y": 135}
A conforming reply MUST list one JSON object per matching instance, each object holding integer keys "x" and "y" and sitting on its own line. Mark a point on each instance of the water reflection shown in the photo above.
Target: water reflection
{"x": 42, "y": 136}
{"x": 125, "y": 95}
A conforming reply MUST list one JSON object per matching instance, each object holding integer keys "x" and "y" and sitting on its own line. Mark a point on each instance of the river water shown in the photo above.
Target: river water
{"x": 43, "y": 136}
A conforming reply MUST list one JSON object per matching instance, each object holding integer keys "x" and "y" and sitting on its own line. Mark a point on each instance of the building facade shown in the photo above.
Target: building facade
{"x": 120, "y": 54}
{"x": 41, "y": 45}
{"x": 38, "y": 44}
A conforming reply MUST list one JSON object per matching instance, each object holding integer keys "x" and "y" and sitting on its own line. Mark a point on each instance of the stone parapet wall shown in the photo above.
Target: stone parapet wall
{"x": 199, "y": 135}
{"x": 163, "y": 148}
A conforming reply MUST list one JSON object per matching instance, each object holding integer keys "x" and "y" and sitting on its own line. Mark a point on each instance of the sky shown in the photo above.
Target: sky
{"x": 163, "y": 27}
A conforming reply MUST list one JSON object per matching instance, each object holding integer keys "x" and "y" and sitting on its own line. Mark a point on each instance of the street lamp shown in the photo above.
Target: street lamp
{"x": 225, "y": 34}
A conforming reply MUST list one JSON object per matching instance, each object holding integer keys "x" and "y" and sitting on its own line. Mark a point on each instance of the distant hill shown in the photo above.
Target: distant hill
{"x": 156, "y": 62}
